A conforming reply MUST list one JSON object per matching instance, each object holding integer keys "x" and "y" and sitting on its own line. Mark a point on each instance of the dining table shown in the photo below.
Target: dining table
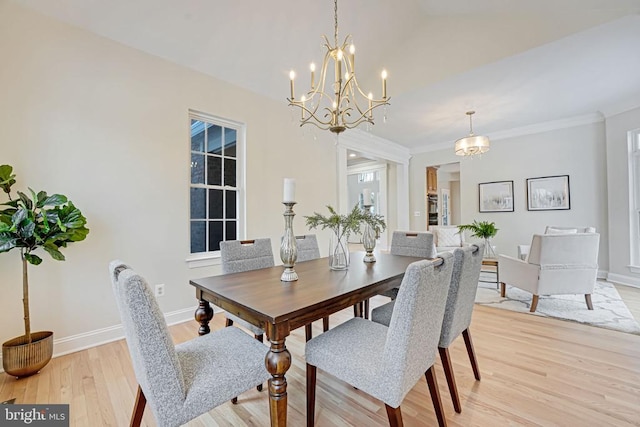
{"x": 262, "y": 299}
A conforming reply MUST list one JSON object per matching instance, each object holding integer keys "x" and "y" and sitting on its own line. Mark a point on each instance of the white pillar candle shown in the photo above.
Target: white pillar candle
{"x": 289, "y": 190}
{"x": 366, "y": 196}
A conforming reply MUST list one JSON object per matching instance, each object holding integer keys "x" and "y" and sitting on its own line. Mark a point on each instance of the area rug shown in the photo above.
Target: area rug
{"x": 609, "y": 311}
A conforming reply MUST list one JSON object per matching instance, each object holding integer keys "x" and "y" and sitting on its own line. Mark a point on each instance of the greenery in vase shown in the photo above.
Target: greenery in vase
{"x": 345, "y": 225}
{"x": 481, "y": 229}
{"x": 36, "y": 221}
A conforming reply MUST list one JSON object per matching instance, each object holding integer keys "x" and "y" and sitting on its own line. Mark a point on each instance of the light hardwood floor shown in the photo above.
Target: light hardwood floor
{"x": 535, "y": 372}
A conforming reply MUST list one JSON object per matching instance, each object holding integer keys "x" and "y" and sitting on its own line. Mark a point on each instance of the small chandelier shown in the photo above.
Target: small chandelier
{"x": 472, "y": 144}
{"x": 338, "y": 109}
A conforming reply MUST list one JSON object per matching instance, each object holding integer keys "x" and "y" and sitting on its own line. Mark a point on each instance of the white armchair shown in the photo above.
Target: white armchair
{"x": 447, "y": 238}
{"x": 523, "y": 250}
{"x": 557, "y": 264}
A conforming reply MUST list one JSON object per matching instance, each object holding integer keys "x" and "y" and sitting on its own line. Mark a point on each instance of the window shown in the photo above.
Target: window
{"x": 216, "y": 184}
{"x": 634, "y": 197}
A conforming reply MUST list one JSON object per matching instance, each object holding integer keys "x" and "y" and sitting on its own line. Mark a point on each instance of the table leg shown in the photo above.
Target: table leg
{"x": 203, "y": 315}
{"x": 278, "y": 361}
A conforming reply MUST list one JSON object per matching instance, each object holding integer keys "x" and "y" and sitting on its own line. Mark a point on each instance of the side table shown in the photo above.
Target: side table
{"x": 491, "y": 262}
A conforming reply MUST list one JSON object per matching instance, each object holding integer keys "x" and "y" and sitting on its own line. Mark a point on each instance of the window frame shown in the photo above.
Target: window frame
{"x": 634, "y": 199}
{"x": 208, "y": 258}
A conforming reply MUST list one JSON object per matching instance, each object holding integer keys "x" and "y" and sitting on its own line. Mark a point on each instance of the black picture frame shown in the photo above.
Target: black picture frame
{"x": 496, "y": 196}
{"x": 548, "y": 193}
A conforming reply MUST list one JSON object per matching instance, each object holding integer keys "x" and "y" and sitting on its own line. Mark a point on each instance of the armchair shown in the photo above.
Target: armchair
{"x": 523, "y": 250}
{"x": 557, "y": 264}
{"x": 447, "y": 237}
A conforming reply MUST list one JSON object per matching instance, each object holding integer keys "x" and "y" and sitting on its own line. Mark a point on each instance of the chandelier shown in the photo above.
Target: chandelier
{"x": 342, "y": 104}
{"x": 472, "y": 144}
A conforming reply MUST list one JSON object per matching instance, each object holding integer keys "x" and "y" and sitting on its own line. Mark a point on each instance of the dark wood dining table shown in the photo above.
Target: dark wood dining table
{"x": 259, "y": 297}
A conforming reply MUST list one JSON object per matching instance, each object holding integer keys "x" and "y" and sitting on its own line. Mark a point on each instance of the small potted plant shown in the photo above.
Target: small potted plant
{"x": 343, "y": 226}
{"x": 28, "y": 223}
{"x": 484, "y": 230}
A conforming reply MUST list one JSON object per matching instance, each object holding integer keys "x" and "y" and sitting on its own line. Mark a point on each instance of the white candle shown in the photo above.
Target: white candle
{"x": 289, "y": 190}
{"x": 366, "y": 196}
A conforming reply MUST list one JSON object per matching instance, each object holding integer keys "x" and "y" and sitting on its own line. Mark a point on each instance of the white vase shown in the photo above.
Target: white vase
{"x": 338, "y": 251}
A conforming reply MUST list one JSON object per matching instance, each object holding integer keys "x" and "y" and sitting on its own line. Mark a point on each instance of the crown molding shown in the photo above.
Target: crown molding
{"x": 372, "y": 145}
{"x": 525, "y": 130}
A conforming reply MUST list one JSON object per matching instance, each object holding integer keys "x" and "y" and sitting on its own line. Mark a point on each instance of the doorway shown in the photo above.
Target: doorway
{"x": 442, "y": 198}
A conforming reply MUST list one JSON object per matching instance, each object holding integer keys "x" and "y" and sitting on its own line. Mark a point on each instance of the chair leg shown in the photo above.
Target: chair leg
{"x": 229, "y": 322}
{"x": 451, "y": 379}
{"x": 503, "y": 289}
{"x": 325, "y": 324}
{"x": 357, "y": 309}
{"x": 258, "y": 337}
{"x": 587, "y": 298}
{"x": 432, "y": 382}
{"x": 534, "y": 303}
{"x": 307, "y": 332}
{"x": 234, "y": 400}
{"x": 138, "y": 409}
{"x": 395, "y": 416}
{"x": 471, "y": 352}
{"x": 311, "y": 395}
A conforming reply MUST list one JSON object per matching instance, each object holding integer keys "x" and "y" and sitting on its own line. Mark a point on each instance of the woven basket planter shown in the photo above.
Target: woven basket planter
{"x": 22, "y": 359}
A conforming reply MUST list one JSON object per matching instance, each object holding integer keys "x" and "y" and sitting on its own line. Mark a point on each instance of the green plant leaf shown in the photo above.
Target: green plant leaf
{"x": 52, "y": 250}
{"x": 7, "y": 242}
{"x": 7, "y": 179}
{"x": 25, "y": 200}
{"x": 33, "y": 259}
{"x": 55, "y": 200}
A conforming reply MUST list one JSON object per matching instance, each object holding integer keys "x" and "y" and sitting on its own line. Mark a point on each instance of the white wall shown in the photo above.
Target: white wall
{"x": 578, "y": 152}
{"x": 618, "y": 186}
{"x": 108, "y": 126}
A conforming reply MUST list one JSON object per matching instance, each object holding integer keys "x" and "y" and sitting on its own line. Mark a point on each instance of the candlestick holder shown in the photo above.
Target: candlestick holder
{"x": 288, "y": 249}
{"x": 368, "y": 239}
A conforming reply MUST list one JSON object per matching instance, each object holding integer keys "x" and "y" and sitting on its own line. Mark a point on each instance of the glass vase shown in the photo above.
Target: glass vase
{"x": 369, "y": 242}
{"x": 338, "y": 251}
{"x": 488, "y": 249}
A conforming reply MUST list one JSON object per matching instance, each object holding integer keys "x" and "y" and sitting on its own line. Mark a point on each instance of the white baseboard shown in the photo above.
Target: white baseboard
{"x": 73, "y": 343}
{"x": 634, "y": 282}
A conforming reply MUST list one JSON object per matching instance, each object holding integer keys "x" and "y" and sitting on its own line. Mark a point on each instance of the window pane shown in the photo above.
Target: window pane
{"x": 197, "y": 135}
{"x": 198, "y": 236}
{"x": 215, "y": 204}
{"x": 231, "y": 230}
{"x": 230, "y": 210}
{"x": 197, "y": 168}
{"x": 215, "y": 235}
{"x": 214, "y": 139}
{"x": 198, "y": 205}
{"x": 230, "y": 142}
{"x": 230, "y": 172}
{"x": 214, "y": 170}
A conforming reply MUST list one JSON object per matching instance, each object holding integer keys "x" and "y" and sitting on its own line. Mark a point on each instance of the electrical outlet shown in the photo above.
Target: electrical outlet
{"x": 160, "y": 290}
{"x": 416, "y": 213}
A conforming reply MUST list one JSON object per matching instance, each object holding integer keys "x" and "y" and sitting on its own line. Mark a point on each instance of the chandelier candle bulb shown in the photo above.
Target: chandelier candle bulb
{"x": 312, "y": 67}
{"x": 292, "y": 75}
{"x": 352, "y": 51}
{"x": 384, "y": 84}
{"x": 289, "y": 190}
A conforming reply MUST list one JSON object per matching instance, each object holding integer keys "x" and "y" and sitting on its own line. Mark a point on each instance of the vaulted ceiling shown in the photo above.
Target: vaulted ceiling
{"x": 517, "y": 63}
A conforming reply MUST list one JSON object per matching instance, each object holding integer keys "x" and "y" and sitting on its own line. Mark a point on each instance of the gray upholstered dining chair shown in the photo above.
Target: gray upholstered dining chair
{"x": 387, "y": 362}
{"x": 244, "y": 255}
{"x": 410, "y": 243}
{"x": 457, "y": 316}
{"x": 181, "y": 382}
{"x": 308, "y": 250}
{"x": 238, "y": 256}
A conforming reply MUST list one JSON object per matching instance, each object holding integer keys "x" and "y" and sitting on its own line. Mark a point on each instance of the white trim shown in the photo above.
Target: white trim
{"x": 375, "y": 146}
{"x": 204, "y": 260}
{"x": 634, "y": 282}
{"x": 634, "y": 269}
{"x": 85, "y": 340}
{"x": 522, "y": 131}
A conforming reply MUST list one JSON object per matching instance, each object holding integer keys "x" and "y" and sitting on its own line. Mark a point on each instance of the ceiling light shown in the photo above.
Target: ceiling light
{"x": 340, "y": 104}
{"x": 472, "y": 144}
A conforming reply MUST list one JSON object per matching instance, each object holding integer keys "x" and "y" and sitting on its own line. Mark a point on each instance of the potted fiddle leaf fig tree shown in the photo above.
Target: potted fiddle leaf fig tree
{"x": 29, "y": 222}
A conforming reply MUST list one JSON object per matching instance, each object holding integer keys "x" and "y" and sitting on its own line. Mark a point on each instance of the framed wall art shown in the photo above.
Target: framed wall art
{"x": 548, "y": 193}
{"x": 496, "y": 196}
